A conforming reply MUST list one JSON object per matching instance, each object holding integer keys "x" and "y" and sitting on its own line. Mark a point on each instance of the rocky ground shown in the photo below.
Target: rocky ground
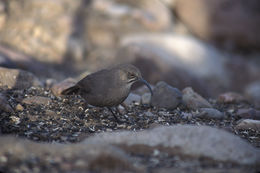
{"x": 39, "y": 115}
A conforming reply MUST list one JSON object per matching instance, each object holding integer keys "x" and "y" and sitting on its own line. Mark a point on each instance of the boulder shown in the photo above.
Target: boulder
{"x": 176, "y": 59}
{"x": 192, "y": 141}
{"x": 44, "y": 29}
{"x": 230, "y": 23}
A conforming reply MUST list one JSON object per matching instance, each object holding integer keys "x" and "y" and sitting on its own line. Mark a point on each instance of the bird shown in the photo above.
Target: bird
{"x": 108, "y": 87}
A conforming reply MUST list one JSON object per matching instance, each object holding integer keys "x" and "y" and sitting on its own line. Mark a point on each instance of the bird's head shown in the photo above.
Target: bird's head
{"x": 131, "y": 74}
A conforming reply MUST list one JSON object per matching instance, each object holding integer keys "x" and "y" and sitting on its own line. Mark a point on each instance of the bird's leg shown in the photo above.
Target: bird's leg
{"x": 109, "y": 108}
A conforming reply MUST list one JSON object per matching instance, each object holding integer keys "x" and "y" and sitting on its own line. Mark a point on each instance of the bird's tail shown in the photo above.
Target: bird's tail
{"x": 72, "y": 90}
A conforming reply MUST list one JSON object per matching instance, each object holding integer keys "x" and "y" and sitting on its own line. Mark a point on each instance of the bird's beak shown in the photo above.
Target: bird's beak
{"x": 147, "y": 84}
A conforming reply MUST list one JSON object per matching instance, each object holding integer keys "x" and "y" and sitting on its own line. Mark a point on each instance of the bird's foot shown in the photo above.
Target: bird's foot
{"x": 114, "y": 115}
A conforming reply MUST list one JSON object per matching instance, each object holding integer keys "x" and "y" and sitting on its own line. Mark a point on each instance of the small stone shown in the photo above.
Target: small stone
{"x": 15, "y": 119}
{"x": 230, "y": 97}
{"x": 121, "y": 109}
{"x": 50, "y": 113}
{"x": 146, "y": 99}
{"x": 132, "y": 98}
{"x": 4, "y": 105}
{"x": 38, "y": 100}
{"x": 166, "y": 96}
{"x": 63, "y": 85}
{"x": 149, "y": 114}
{"x": 211, "y": 113}
{"x": 19, "y": 107}
{"x": 246, "y": 124}
{"x": 248, "y": 113}
{"x": 142, "y": 90}
{"x": 193, "y": 100}
{"x": 50, "y": 82}
{"x": 187, "y": 116}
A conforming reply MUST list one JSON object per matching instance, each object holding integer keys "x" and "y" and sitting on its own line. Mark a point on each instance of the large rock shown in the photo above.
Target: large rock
{"x": 109, "y": 20}
{"x": 42, "y": 28}
{"x": 66, "y": 158}
{"x": 18, "y": 79}
{"x": 192, "y": 141}
{"x": 229, "y": 22}
{"x": 134, "y": 152}
{"x": 179, "y": 60}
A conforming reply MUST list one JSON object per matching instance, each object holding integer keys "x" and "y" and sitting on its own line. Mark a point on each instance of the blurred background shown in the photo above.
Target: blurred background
{"x": 211, "y": 45}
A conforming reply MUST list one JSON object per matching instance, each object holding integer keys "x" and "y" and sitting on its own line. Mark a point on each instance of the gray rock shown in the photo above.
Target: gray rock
{"x": 90, "y": 158}
{"x": 211, "y": 113}
{"x": 230, "y": 97}
{"x": 149, "y": 114}
{"x": 17, "y": 79}
{"x": 38, "y": 100}
{"x": 128, "y": 151}
{"x": 193, "y": 100}
{"x": 162, "y": 57}
{"x": 217, "y": 21}
{"x": 187, "y": 116}
{"x": 4, "y": 105}
{"x": 165, "y": 96}
{"x": 32, "y": 31}
{"x": 249, "y": 113}
{"x": 253, "y": 92}
{"x": 146, "y": 98}
{"x": 246, "y": 124}
{"x": 192, "y": 141}
{"x": 131, "y": 99}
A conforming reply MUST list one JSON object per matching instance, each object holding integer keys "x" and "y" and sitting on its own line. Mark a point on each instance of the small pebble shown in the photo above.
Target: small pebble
{"x": 15, "y": 119}
{"x": 19, "y": 107}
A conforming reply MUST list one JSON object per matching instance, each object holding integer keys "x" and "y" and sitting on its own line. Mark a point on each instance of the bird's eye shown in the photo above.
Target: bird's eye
{"x": 131, "y": 76}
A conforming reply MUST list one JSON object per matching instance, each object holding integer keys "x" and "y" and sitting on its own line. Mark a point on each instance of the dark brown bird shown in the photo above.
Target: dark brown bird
{"x": 108, "y": 87}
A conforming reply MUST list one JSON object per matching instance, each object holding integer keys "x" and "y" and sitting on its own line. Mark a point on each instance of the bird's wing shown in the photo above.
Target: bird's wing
{"x": 92, "y": 80}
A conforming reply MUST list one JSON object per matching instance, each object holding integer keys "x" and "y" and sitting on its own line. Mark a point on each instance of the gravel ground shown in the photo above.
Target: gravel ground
{"x": 67, "y": 119}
